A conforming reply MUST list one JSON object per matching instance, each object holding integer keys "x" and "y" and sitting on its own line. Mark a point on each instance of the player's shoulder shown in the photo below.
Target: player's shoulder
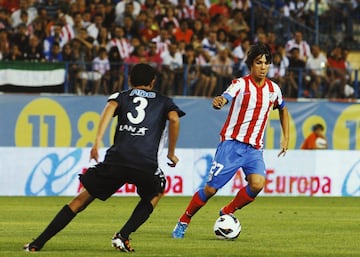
{"x": 273, "y": 84}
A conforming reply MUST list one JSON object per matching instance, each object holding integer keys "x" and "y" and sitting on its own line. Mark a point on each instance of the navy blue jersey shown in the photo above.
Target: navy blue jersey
{"x": 142, "y": 117}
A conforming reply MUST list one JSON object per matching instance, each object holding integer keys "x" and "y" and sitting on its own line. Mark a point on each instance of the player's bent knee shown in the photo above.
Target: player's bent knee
{"x": 256, "y": 183}
{"x": 209, "y": 191}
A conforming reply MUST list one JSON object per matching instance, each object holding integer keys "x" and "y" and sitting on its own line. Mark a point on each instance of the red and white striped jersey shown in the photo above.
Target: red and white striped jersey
{"x": 123, "y": 45}
{"x": 249, "y": 110}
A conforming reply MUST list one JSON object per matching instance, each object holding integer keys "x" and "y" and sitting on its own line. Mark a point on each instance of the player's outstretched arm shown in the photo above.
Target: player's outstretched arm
{"x": 105, "y": 118}
{"x": 284, "y": 121}
{"x": 174, "y": 126}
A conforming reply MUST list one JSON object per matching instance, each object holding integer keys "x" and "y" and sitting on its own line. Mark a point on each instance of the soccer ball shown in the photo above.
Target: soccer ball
{"x": 227, "y": 227}
{"x": 320, "y": 143}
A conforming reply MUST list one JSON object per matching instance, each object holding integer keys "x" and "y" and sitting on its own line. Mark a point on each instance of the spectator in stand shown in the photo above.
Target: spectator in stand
{"x": 124, "y": 8}
{"x": 69, "y": 58}
{"x": 207, "y": 76}
{"x": 109, "y": 15}
{"x": 281, "y": 49}
{"x": 139, "y": 55}
{"x": 338, "y": 74}
{"x": 242, "y": 5}
{"x": 201, "y": 12}
{"x": 102, "y": 39}
{"x": 192, "y": 71}
{"x": 5, "y": 20}
{"x": 14, "y": 54}
{"x": 210, "y": 43}
{"x": 24, "y": 6}
{"x": 154, "y": 58}
{"x": 316, "y": 70}
{"x": 169, "y": 18}
{"x": 130, "y": 28}
{"x": 94, "y": 28}
{"x": 184, "y": 11}
{"x": 55, "y": 37}
{"x": 220, "y": 8}
{"x": 221, "y": 65}
{"x": 198, "y": 29}
{"x": 86, "y": 17}
{"x": 296, "y": 8}
{"x": 55, "y": 54}
{"x": 183, "y": 33}
{"x": 239, "y": 55}
{"x": 82, "y": 46}
{"x": 295, "y": 74}
{"x": 116, "y": 70}
{"x": 172, "y": 71}
{"x": 24, "y": 19}
{"x": 260, "y": 35}
{"x": 162, "y": 41}
{"x": 155, "y": 61}
{"x": 316, "y": 140}
{"x": 223, "y": 39}
{"x": 236, "y": 24}
{"x": 67, "y": 32}
{"x": 20, "y": 38}
{"x": 123, "y": 45}
{"x": 99, "y": 75}
{"x": 51, "y": 7}
{"x": 152, "y": 5}
{"x": 301, "y": 44}
{"x": 34, "y": 51}
{"x": 4, "y": 44}
{"x": 277, "y": 70}
{"x": 272, "y": 41}
{"x": 322, "y": 11}
{"x": 38, "y": 28}
{"x": 342, "y": 17}
{"x": 78, "y": 23}
{"x": 86, "y": 43}
{"x": 149, "y": 31}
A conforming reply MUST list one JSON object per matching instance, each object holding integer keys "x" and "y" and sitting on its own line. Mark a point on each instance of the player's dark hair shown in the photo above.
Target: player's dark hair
{"x": 258, "y": 49}
{"x": 317, "y": 126}
{"x": 142, "y": 74}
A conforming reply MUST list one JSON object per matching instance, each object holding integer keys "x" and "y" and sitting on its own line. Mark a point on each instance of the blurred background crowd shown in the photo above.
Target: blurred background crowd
{"x": 197, "y": 46}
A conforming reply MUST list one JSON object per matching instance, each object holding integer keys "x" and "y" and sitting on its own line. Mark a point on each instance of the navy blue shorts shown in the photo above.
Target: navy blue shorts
{"x": 103, "y": 180}
{"x": 230, "y": 156}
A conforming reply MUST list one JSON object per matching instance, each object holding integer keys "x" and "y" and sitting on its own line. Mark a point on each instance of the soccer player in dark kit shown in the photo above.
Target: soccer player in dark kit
{"x": 133, "y": 158}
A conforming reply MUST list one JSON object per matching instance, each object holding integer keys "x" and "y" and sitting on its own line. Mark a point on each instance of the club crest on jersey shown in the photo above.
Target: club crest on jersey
{"x": 272, "y": 97}
{"x": 135, "y": 131}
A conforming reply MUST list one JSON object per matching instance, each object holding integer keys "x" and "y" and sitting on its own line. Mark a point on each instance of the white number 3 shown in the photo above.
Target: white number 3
{"x": 140, "y": 116}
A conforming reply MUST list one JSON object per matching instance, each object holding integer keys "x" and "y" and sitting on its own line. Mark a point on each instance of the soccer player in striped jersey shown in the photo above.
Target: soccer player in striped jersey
{"x": 250, "y": 98}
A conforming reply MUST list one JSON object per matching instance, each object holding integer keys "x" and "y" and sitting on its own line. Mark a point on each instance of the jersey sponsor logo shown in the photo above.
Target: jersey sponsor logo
{"x": 142, "y": 93}
{"x": 135, "y": 131}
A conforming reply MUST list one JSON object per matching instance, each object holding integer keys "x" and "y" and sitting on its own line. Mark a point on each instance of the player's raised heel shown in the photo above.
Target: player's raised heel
{"x": 122, "y": 244}
{"x": 221, "y": 212}
{"x": 31, "y": 248}
{"x": 179, "y": 230}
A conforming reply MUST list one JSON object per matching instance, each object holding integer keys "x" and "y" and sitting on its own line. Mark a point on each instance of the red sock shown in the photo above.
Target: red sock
{"x": 240, "y": 200}
{"x": 195, "y": 204}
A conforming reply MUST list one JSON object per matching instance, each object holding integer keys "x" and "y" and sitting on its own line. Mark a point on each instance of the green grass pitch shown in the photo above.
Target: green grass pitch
{"x": 271, "y": 226}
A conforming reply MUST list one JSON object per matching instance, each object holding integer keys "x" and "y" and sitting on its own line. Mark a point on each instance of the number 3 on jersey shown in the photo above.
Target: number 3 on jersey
{"x": 140, "y": 109}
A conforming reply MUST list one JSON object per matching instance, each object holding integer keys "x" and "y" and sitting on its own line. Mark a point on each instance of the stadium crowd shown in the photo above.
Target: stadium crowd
{"x": 197, "y": 46}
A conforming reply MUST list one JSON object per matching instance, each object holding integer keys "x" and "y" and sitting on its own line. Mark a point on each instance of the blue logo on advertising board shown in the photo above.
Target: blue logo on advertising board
{"x": 351, "y": 185}
{"x": 51, "y": 175}
{"x": 203, "y": 166}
